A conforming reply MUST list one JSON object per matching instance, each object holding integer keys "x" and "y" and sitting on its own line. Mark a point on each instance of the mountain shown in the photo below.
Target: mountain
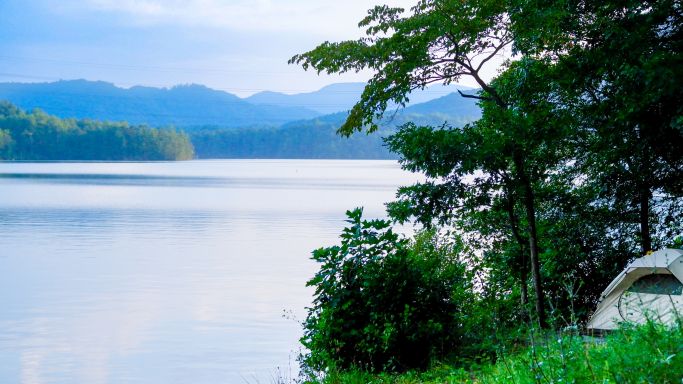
{"x": 342, "y": 96}
{"x": 330, "y": 99}
{"x": 192, "y": 106}
{"x": 452, "y": 108}
{"x": 181, "y": 106}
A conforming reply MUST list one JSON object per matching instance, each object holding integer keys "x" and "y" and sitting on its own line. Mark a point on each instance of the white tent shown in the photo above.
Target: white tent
{"x": 649, "y": 287}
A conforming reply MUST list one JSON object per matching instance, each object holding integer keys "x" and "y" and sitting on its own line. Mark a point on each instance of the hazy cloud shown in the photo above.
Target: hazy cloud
{"x": 258, "y": 15}
{"x": 236, "y": 45}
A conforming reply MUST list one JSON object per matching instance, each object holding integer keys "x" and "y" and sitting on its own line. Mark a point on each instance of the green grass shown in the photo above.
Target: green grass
{"x": 651, "y": 353}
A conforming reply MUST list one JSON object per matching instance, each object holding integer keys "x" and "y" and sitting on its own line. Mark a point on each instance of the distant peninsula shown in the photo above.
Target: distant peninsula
{"x": 36, "y": 135}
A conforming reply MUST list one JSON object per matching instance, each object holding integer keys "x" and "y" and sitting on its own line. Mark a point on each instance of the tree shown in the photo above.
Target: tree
{"x": 5, "y": 141}
{"x": 591, "y": 114}
{"x": 493, "y": 168}
{"x": 623, "y": 61}
{"x": 440, "y": 42}
{"x": 382, "y": 303}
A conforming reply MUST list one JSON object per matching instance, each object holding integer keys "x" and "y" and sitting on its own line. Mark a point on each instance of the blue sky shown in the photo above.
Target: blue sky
{"x": 239, "y": 46}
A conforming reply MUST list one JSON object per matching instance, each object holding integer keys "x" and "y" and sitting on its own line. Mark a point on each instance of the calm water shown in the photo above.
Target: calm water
{"x": 167, "y": 272}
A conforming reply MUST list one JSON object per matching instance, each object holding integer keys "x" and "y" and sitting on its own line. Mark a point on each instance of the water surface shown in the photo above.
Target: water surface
{"x": 167, "y": 272}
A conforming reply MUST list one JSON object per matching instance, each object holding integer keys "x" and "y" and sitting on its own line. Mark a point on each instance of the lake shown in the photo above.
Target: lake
{"x": 177, "y": 272}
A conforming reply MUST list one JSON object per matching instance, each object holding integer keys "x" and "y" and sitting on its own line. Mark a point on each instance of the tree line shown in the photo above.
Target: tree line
{"x": 317, "y": 138}
{"x": 36, "y": 135}
{"x": 313, "y": 139}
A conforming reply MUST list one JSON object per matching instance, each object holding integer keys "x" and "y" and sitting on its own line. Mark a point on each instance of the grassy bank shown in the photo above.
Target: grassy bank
{"x": 650, "y": 353}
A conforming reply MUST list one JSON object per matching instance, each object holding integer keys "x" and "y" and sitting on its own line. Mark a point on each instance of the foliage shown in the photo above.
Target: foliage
{"x": 622, "y": 61}
{"x": 574, "y": 167}
{"x": 306, "y": 140}
{"x": 647, "y": 354}
{"x": 487, "y": 177}
{"x": 565, "y": 122}
{"x": 651, "y": 353}
{"x": 440, "y": 41}
{"x": 38, "y": 136}
{"x": 384, "y": 304}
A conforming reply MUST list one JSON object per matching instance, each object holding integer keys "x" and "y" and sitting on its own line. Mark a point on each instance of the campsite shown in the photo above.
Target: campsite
{"x": 341, "y": 192}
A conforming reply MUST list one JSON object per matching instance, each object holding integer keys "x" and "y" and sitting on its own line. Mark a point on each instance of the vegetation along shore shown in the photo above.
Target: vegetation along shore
{"x": 573, "y": 170}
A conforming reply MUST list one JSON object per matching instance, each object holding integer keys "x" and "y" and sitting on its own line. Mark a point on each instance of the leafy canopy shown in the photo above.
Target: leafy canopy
{"x": 440, "y": 42}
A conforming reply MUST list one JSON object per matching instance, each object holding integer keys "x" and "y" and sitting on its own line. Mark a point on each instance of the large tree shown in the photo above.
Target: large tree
{"x": 439, "y": 41}
{"x": 623, "y": 60}
{"x": 493, "y": 169}
{"x": 602, "y": 129}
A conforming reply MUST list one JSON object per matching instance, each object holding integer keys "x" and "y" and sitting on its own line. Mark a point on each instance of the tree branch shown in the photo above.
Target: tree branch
{"x": 474, "y": 96}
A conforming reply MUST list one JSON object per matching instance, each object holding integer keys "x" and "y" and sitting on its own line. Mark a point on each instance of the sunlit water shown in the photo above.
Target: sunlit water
{"x": 167, "y": 272}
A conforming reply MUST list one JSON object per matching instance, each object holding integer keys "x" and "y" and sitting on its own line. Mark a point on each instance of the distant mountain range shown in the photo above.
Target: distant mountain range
{"x": 180, "y": 106}
{"x": 342, "y": 96}
{"x": 186, "y": 106}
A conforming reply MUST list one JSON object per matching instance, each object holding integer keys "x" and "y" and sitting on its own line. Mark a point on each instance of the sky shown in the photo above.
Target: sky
{"x": 239, "y": 46}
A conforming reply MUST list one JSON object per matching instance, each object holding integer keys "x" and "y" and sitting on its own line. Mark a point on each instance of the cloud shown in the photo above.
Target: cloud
{"x": 323, "y": 16}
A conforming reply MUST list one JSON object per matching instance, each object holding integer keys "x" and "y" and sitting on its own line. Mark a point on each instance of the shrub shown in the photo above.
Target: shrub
{"x": 649, "y": 353}
{"x": 383, "y": 303}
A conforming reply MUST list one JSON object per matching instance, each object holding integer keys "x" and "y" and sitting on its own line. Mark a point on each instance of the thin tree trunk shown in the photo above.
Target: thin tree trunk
{"x": 533, "y": 252}
{"x": 644, "y": 195}
{"x": 644, "y": 208}
{"x": 533, "y": 238}
{"x": 524, "y": 287}
{"x": 514, "y": 226}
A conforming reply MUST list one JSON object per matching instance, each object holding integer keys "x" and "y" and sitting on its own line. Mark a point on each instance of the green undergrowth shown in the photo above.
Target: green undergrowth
{"x": 650, "y": 353}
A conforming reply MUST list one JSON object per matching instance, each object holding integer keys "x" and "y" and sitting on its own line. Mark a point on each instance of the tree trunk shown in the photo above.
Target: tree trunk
{"x": 533, "y": 252}
{"x": 644, "y": 208}
{"x": 524, "y": 287}
{"x": 533, "y": 237}
{"x": 514, "y": 226}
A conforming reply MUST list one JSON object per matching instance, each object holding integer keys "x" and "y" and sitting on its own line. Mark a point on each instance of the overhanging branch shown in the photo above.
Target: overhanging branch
{"x": 475, "y": 96}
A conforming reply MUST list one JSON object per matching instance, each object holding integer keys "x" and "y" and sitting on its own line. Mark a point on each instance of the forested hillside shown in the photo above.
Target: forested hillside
{"x": 313, "y": 139}
{"x": 36, "y": 135}
{"x": 191, "y": 106}
{"x": 318, "y": 138}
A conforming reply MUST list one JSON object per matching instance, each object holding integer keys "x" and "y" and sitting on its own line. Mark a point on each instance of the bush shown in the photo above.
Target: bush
{"x": 649, "y": 353}
{"x": 383, "y": 303}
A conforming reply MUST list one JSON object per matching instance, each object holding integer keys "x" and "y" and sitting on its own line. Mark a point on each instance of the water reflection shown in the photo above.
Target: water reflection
{"x": 166, "y": 272}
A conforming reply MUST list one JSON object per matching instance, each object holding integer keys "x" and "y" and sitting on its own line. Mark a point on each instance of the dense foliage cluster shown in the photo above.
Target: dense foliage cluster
{"x": 383, "y": 303}
{"x": 38, "y": 136}
{"x": 575, "y": 166}
{"x": 647, "y": 354}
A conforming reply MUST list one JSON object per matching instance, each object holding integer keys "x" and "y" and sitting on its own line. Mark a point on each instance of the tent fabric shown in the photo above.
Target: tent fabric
{"x": 621, "y": 301}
